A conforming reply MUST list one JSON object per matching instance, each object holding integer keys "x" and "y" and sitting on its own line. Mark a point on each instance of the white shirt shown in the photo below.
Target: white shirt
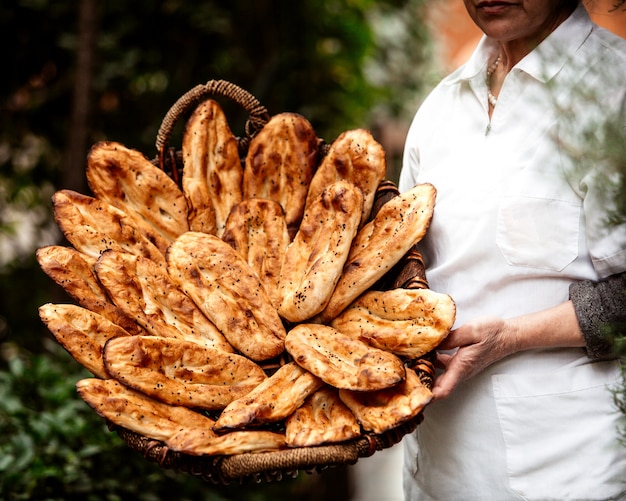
{"x": 520, "y": 215}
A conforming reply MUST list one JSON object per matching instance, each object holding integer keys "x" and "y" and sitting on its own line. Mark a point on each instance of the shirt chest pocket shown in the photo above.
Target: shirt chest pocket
{"x": 538, "y": 223}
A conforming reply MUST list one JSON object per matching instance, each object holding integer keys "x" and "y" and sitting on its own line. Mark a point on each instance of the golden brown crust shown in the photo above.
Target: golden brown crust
{"x": 322, "y": 419}
{"x": 256, "y": 229}
{"x": 228, "y": 292}
{"x": 314, "y": 260}
{"x": 280, "y": 163}
{"x": 74, "y": 271}
{"x": 273, "y": 400}
{"x": 179, "y": 428}
{"x": 126, "y": 179}
{"x": 380, "y": 244}
{"x": 180, "y": 372}
{"x": 145, "y": 292}
{"x": 342, "y": 361}
{"x": 92, "y": 226}
{"x": 200, "y": 442}
{"x": 356, "y": 157}
{"x": 212, "y": 172}
{"x": 379, "y": 411}
{"x": 81, "y": 332}
{"x": 137, "y": 412}
{"x": 406, "y": 322}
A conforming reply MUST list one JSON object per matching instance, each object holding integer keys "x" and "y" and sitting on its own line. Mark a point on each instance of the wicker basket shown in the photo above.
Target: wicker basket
{"x": 273, "y": 466}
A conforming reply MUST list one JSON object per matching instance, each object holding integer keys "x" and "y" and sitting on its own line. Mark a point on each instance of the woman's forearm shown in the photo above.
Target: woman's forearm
{"x": 555, "y": 327}
{"x": 479, "y": 343}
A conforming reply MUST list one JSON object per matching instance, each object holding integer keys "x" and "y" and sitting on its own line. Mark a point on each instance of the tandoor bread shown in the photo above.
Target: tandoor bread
{"x": 92, "y": 226}
{"x": 380, "y": 244}
{"x": 379, "y": 411}
{"x": 225, "y": 310}
{"x": 407, "y": 322}
{"x": 82, "y": 333}
{"x": 273, "y": 400}
{"x": 181, "y": 372}
{"x": 212, "y": 170}
{"x": 322, "y": 419}
{"x": 314, "y": 260}
{"x": 342, "y": 361}
{"x": 256, "y": 228}
{"x": 145, "y": 292}
{"x": 178, "y": 427}
{"x": 137, "y": 412}
{"x": 280, "y": 163}
{"x": 354, "y": 156}
{"x": 228, "y": 292}
{"x": 204, "y": 442}
{"x": 126, "y": 179}
{"x": 74, "y": 271}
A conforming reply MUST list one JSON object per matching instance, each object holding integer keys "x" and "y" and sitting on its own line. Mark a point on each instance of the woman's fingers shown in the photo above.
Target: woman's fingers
{"x": 458, "y": 367}
{"x": 478, "y": 344}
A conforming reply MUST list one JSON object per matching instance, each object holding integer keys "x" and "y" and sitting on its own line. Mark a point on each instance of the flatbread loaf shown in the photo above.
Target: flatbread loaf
{"x": 212, "y": 170}
{"x": 322, "y": 419}
{"x": 93, "y": 226}
{"x": 179, "y": 428}
{"x": 203, "y": 442}
{"x": 146, "y": 292}
{"x": 256, "y": 229}
{"x": 273, "y": 400}
{"x": 314, "y": 260}
{"x": 280, "y": 163}
{"x": 82, "y": 333}
{"x": 380, "y": 244}
{"x": 181, "y": 372}
{"x": 126, "y": 179}
{"x": 137, "y": 412}
{"x": 407, "y": 322}
{"x": 342, "y": 361}
{"x": 379, "y": 411}
{"x": 354, "y": 156}
{"x": 228, "y": 292}
{"x": 74, "y": 271}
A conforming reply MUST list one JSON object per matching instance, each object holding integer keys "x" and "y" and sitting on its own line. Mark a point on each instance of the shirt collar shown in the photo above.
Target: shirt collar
{"x": 545, "y": 61}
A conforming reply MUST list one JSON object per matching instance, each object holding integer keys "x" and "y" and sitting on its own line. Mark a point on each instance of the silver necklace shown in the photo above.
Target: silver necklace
{"x": 490, "y": 70}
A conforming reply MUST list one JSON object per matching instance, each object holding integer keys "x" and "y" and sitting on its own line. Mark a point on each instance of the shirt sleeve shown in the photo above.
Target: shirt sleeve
{"x": 600, "y": 309}
{"x": 598, "y": 160}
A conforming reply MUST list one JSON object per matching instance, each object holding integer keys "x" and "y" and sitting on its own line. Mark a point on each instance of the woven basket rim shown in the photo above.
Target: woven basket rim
{"x": 268, "y": 466}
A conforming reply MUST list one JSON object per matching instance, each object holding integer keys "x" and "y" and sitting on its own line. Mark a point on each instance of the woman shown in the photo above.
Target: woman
{"x": 523, "y": 407}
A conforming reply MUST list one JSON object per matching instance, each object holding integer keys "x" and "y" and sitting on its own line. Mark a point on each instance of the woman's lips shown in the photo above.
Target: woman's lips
{"x": 493, "y": 8}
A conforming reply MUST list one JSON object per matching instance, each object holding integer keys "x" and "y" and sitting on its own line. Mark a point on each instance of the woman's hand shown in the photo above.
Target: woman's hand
{"x": 480, "y": 343}
{"x": 483, "y": 341}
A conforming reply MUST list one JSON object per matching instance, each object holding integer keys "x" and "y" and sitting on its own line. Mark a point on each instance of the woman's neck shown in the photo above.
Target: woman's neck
{"x": 513, "y": 51}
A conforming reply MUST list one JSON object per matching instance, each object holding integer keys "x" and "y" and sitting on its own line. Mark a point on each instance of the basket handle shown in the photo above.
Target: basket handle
{"x": 409, "y": 272}
{"x": 258, "y": 114}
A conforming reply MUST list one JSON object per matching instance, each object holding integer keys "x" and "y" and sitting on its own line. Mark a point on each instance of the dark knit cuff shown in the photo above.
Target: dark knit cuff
{"x": 600, "y": 309}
